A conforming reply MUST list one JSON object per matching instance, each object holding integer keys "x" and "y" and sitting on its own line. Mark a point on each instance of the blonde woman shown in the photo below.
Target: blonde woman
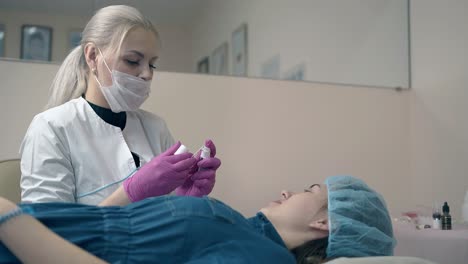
{"x": 93, "y": 136}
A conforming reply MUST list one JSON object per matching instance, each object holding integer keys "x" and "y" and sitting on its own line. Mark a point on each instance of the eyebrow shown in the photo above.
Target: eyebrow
{"x": 315, "y": 184}
{"x": 141, "y": 54}
{"x": 137, "y": 53}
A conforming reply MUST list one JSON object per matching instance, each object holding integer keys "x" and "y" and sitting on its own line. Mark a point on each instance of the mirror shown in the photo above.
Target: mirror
{"x": 359, "y": 42}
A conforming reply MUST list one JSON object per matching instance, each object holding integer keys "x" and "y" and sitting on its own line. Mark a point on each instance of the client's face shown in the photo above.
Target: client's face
{"x": 299, "y": 210}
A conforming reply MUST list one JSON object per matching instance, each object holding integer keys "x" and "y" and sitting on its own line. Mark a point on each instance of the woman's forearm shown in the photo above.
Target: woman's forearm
{"x": 119, "y": 197}
{"x": 32, "y": 242}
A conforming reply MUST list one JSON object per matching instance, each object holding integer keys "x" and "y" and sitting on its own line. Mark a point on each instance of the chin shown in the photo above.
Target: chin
{"x": 266, "y": 209}
{"x": 269, "y": 207}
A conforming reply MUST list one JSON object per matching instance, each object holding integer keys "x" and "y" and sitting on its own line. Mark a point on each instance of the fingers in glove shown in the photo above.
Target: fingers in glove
{"x": 203, "y": 175}
{"x": 184, "y": 165}
{"x": 209, "y": 163}
{"x": 206, "y": 184}
{"x": 176, "y": 158}
{"x": 170, "y": 151}
{"x": 209, "y": 143}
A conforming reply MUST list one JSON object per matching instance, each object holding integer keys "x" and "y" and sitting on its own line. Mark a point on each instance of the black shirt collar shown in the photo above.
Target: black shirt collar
{"x": 115, "y": 119}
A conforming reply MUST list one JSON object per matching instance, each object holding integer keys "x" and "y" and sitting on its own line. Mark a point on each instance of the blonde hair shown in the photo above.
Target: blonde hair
{"x": 107, "y": 29}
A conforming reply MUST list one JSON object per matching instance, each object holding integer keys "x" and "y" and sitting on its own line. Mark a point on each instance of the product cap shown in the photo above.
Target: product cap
{"x": 182, "y": 149}
{"x": 445, "y": 208}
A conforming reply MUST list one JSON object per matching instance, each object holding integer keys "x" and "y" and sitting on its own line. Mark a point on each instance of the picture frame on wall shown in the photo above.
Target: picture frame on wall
{"x": 203, "y": 65}
{"x": 296, "y": 73}
{"x": 219, "y": 61}
{"x": 2, "y": 40}
{"x": 239, "y": 51}
{"x": 271, "y": 68}
{"x": 74, "y": 38}
{"x": 36, "y": 42}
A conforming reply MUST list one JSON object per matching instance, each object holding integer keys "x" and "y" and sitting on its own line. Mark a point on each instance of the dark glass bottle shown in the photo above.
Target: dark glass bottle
{"x": 446, "y": 217}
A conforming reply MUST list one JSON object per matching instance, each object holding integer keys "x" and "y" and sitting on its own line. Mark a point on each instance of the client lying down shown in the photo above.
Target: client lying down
{"x": 341, "y": 218}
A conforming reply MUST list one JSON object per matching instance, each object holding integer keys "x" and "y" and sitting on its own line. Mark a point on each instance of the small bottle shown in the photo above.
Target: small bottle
{"x": 446, "y": 217}
{"x": 205, "y": 152}
{"x": 436, "y": 217}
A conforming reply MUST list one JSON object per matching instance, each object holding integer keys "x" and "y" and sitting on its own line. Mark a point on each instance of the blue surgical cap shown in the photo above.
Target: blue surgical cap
{"x": 359, "y": 222}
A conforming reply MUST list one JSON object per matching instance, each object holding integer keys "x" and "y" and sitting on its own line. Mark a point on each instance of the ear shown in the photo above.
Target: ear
{"x": 90, "y": 52}
{"x": 320, "y": 224}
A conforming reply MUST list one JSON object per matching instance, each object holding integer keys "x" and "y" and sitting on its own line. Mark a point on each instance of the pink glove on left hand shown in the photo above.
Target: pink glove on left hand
{"x": 160, "y": 176}
{"x": 204, "y": 175}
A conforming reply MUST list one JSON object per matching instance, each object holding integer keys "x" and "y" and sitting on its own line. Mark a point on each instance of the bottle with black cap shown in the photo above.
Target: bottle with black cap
{"x": 446, "y": 217}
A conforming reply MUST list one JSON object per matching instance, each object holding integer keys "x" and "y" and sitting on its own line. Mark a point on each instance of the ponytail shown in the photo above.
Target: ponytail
{"x": 70, "y": 82}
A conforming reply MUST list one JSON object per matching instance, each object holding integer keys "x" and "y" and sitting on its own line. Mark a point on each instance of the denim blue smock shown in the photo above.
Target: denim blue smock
{"x": 166, "y": 229}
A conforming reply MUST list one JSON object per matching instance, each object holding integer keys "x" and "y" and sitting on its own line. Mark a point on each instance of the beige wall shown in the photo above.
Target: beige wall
{"x": 439, "y": 123}
{"x": 175, "y": 55}
{"x": 270, "y": 134}
{"x": 23, "y": 93}
{"x": 274, "y": 135}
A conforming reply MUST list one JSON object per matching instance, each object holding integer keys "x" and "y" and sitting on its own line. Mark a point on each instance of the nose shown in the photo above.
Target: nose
{"x": 286, "y": 194}
{"x": 146, "y": 74}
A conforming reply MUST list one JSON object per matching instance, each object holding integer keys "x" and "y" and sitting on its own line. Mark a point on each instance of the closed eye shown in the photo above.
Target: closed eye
{"x": 311, "y": 187}
{"x": 133, "y": 63}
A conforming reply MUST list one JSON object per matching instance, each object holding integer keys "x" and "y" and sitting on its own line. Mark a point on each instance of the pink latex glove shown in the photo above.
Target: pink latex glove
{"x": 204, "y": 175}
{"x": 161, "y": 175}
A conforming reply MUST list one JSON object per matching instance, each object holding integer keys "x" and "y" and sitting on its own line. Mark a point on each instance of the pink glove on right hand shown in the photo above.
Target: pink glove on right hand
{"x": 160, "y": 176}
{"x": 204, "y": 175}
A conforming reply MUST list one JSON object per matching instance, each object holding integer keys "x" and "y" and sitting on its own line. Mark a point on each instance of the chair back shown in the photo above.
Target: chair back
{"x": 10, "y": 175}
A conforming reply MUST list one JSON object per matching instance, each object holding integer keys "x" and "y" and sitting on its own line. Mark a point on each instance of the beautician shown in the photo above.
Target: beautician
{"x": 94, "y": 137}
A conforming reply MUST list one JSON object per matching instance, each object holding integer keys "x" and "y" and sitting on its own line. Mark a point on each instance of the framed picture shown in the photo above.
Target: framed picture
{"x": 271, "y": 68}
{"x": 203, "y": 66}
{"x": 297, "y": 73}
{"x": 74, "y": 38}
{"x": 2, "y": 40}
{"x": 36, "y": 42}
{"x": 218, "y": 60}
{"x": 239, "y": 51}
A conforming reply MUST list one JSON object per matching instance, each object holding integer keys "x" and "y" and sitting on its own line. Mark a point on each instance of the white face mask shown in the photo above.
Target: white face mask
{"x": 126, "y": 93}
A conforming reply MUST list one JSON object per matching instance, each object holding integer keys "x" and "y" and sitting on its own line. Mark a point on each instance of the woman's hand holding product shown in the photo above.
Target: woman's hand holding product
{"x": 202, "y": 176}
{"x": 161, "y": 175}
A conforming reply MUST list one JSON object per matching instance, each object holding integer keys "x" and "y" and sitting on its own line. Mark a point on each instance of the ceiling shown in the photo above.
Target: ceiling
{"x": 178, "y": 12}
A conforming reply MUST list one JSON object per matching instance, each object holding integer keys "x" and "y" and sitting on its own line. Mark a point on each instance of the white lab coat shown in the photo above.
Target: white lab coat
{"x": 69, "y": 150}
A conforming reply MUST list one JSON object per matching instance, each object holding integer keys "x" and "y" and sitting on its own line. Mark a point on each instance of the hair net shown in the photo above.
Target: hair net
{"x": 359, "y": 222}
